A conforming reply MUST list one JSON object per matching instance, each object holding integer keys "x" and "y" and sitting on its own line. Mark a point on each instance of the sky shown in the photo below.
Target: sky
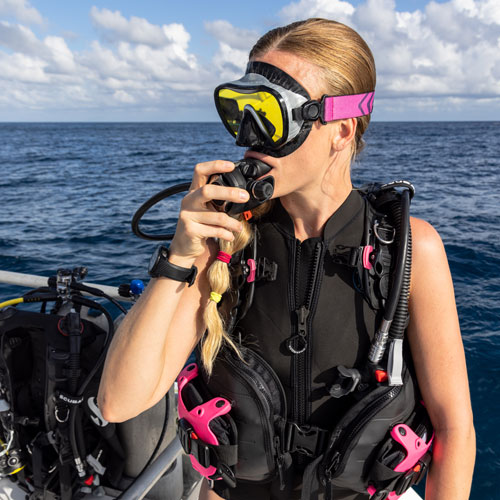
{"x": 124, "y": 60}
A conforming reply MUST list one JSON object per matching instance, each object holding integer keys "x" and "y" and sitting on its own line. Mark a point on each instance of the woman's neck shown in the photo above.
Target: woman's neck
{"x": 310, "y": 211}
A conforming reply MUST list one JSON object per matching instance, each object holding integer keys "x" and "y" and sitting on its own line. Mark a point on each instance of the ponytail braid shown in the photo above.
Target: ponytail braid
{"x": 220, "y": 281}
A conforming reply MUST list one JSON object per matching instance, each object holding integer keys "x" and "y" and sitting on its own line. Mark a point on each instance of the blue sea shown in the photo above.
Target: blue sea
{"x": 68, "y": 192}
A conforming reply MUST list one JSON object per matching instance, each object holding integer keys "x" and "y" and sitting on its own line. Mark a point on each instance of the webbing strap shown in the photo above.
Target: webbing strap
{"x": 347, "y": 106}
{"x": 65, "y": 482}
{"x": 37, "y": 463}
{"x": 310, "y": 481}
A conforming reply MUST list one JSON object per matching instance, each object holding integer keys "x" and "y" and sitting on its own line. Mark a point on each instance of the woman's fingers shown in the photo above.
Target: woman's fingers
{"x": 203, "y": 171}
{"x": 201, "y": 196}
{"x": 196, "y": 230}
{"x": 220, "y": 219}
{"x": 211, "y": 192}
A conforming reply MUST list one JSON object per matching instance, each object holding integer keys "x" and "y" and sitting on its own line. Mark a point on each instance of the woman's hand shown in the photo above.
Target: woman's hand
{"x": 198, "y": 219}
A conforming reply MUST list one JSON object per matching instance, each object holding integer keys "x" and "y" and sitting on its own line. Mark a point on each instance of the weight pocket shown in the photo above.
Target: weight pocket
{"x": 258, "y": 409}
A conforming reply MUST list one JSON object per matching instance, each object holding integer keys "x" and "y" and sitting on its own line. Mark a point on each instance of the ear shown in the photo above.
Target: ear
{"x": 344, "y": 135}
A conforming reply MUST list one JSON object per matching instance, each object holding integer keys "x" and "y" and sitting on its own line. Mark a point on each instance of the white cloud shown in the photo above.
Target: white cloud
{"x": 116, "y": 27}
{"x": 332, "y": 9}
{"x": 123, "y": 97}
{"x": 235, "y": 44}
{"x": 21, "y": 10}
{"x": 136, "y": 63}
{"x": 225, "y": 32}
{"x": 445, "y": 54}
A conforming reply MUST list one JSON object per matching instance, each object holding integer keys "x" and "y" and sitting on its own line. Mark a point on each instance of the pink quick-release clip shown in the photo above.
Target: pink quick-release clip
{"x": 367, "y": 250}
{"x": 252, "y": 267}
{"x": 200, "y": 416}
{"x": 224, "y": 257}
{"x": 415, "y": 448}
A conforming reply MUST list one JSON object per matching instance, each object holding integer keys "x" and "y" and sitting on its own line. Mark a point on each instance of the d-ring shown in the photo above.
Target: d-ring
{"x": 301, "y": 347}
{"x": 379, "y": 238}
{"x": 58, "y": 418}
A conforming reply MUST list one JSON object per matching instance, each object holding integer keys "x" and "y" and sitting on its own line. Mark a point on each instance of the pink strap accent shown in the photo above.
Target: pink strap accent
{"x": 200, "y": 416}
{"x": 415, "y": 447}
{"x": 224, "y": 257}
{"x": 347, "y": 106}
{"x": 366, "y": 257}
{"x": 253, "y": 266}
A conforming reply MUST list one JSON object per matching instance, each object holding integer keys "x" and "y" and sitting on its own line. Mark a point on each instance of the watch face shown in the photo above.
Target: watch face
{"x": 154, "y": 259}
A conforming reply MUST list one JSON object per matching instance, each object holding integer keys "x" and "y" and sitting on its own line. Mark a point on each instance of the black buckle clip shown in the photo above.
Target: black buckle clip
{"x": 413, "y": 476}
{"x": 184, "y": 431}
{"x": 266, "y": 269}
{"x": 346, "y": 382}
{"x": 224, "y": 472}
{"x": 200, "y": 450}
{"x": 307, "y": 439}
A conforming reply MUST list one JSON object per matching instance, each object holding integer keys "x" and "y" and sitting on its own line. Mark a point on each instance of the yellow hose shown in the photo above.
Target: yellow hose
{"x": 17, "y": 470}
{"x": 11, "y": 302}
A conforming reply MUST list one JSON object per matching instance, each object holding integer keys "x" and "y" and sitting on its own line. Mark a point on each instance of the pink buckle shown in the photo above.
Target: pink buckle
{"x": 253, "y": 267}
{"x": 415, "y": 446}
{"x": 200, "y": 416}
{"x": 367, "y": 250}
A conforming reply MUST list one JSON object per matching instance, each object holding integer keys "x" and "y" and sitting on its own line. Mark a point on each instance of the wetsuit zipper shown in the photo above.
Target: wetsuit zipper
{"x": 301, "y": 361}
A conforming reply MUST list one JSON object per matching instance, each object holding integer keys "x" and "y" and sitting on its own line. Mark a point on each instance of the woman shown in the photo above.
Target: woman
{"x": 314, "y": 200}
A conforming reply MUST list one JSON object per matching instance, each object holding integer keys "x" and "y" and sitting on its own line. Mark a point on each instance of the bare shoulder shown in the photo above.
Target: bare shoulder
{"x": 428, "y": 252}
{"x": 424, "y": 235}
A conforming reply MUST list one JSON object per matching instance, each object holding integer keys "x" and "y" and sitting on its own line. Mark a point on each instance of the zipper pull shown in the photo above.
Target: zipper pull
{"x": 302, "y": 314}
{"x": 280, "y": 461}
{"x": 301, "y": 338}
{"x": 332, "y": 466}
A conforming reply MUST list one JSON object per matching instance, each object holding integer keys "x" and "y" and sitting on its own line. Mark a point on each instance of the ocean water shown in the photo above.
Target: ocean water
{"x": 68, "y": 193}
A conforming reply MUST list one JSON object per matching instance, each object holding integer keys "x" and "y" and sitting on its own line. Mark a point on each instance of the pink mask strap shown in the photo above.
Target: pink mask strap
{"x": 224, "y": 257}
{"x": 347, "y": 106}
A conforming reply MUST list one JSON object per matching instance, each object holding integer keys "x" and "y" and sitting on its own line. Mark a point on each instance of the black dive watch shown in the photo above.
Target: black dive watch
{"x": 159, "y": 266}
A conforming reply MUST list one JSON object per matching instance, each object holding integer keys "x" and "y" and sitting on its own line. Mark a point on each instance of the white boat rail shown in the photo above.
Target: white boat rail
{"x": 35, "y": 281}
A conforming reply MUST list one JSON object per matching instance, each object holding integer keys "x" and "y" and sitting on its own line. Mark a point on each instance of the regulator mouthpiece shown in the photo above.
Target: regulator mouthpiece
{"x": 245, "y": 176}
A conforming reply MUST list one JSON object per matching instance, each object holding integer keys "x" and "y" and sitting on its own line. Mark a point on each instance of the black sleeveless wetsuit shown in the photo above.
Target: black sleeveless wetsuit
{"x": 338, "y": 321}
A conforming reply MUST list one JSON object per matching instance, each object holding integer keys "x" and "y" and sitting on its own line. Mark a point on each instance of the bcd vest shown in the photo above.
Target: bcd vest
{"x": 302, "y": 389}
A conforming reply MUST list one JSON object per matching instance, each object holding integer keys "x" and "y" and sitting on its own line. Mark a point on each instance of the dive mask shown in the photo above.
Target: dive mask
{"x": 270, "y": 112}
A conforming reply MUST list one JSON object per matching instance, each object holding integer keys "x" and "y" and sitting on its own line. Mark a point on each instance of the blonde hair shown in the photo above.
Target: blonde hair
{"x": 346, "y": 66}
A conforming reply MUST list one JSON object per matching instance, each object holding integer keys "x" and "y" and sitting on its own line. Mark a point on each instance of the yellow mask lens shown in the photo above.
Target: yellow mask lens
{"x": 232, "y": 103}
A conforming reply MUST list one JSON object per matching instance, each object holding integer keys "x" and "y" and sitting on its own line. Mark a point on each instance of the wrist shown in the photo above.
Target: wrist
{"x": 180, "y": 260}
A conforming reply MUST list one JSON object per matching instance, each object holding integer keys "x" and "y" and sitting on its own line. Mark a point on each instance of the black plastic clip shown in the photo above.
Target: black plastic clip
{"x": 266, "y": 269}
{"x": 346, "y": 382}
{"x": 306, "y": 439}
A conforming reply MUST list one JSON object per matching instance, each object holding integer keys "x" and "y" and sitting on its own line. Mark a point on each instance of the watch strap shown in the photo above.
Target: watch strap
{"x": 166, "y": 269}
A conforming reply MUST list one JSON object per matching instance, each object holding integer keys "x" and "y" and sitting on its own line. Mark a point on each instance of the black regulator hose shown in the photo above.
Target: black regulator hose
{"x": 178, "y": 188}
{"x": 77, "y": 453}
{"x": 396, "y": 307}
{"x": 401, "y": 216}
